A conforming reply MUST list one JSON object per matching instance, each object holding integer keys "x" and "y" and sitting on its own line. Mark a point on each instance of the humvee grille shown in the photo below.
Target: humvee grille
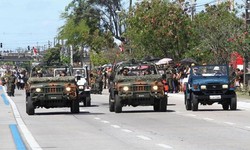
{"x": 53, "y": 90}
{"x": 141, "y": 88}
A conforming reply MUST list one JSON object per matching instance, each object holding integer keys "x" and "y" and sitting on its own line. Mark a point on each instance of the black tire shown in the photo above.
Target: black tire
{"x": 118, "y": 105}
{"x": 88, "y": 101}
{"x": 163, "y": 104}
{"x": 156, "y": 105}
{"x": 30, "y": 109}
{"x": 111, "y": 105}
{"x": 233, "y": 103}
{"x": 225, "y": 106}
{"x": 195, "y": 102}
{"x": 188, "y": 103}
{"x": 75, "y": 106}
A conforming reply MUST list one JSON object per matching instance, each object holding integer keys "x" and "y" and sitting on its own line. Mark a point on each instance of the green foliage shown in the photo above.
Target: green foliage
{"x": 213, "y": 28}
{"x": 159, "y": 28}
{"x": 52, "y": 56}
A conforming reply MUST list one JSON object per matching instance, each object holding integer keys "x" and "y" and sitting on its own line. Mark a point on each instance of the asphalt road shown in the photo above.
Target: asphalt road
{"x": 136, "y": 128}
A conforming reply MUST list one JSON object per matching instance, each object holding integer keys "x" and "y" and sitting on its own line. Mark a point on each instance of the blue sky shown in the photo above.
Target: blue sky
{"x": 29, "y": 22}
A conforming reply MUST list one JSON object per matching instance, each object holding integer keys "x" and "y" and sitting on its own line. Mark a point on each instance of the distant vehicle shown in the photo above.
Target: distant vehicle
{"x": 210, "y": 84}
{"x": 45, "y": 91}
{"x": 142, "y": 86}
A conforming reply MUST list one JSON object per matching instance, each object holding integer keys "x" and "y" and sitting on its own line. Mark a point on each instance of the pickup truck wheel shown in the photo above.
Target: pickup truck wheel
{"x": 195, "y": 102}
{"x": 233, "y": 103}
{"x": 188, "y": 103}
{"x": 88, "y": 101}
{"x": 163, "y": 104}
{"x": 111, "y": 105}
{"x": 74, "y": 106}
{"x": 118, "y": 105}
{"x": 30, "y": 109}
{"x": 225, "y": 106}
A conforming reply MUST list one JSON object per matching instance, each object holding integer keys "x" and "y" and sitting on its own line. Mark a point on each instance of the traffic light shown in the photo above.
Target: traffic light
{"x": 28, "y": 48}
{"x": 1, "y": 45}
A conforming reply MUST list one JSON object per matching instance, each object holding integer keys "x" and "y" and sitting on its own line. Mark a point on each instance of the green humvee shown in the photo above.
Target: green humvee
{"x": 137, "y": 88}
{"x": 50, "y": 92}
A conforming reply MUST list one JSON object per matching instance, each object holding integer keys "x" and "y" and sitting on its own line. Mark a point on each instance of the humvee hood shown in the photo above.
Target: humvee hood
{"x": 51, "y": 79}
{"x": 120, "y": 78}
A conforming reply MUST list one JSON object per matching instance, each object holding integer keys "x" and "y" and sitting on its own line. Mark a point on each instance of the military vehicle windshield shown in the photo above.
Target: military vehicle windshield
{"x": 138, "y": 70}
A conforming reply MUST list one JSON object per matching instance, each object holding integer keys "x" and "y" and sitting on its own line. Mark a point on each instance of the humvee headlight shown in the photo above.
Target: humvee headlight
{"x": 155, "y": 87}
{"x": 203, "y": 87}
{"x": 38, "y": 90}
{"x": 125, "y": 88}
{"x": 224, "y": 86}
{"x": 81, "y": 87}
{"x": 68, "y": 89}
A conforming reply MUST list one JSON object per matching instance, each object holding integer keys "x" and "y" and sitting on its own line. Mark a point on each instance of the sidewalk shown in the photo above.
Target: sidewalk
{"x": 243, "y": 95}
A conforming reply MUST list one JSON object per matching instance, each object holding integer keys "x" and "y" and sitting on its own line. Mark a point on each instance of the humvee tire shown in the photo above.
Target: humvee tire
{"x": 163, "y": 104}
{"x": 75, "y": 106}
{"x": 30, "y": 109}
{"x": 87, "y": 101}
{"x": 111, "y": 105}
{"x": 156, "y": 105}
{"x": 118, "y": 105}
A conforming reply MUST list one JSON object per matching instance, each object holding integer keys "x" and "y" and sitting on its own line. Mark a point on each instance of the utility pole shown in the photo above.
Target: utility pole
{"x": 193, "y": 9}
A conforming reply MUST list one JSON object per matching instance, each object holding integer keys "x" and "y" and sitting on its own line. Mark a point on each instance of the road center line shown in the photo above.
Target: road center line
{"x": 126, "y": 130}
{"x": 104, "y": 121}
{"x": 96, "y": 118}
{"x": 115, "y": 126}
{"x": 209, "y": 119}
{"x": 164, "y": 146}
{"x": 144, "y": 137}
{"x": 229, "y": 123}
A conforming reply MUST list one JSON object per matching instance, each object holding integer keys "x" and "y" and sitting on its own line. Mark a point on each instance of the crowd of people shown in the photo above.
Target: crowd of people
{"x": 175, "y": 76}
{"x": 13, "y": 78}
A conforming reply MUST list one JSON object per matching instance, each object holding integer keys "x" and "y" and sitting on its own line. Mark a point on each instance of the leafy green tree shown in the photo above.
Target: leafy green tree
{"x": 213, "y": 28}
{"x": 159, "y": 28}
{"x": 52, "y": 56}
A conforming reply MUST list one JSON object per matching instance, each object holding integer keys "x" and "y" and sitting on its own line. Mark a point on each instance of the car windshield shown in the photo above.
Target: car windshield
{"x": 219, "y": 70}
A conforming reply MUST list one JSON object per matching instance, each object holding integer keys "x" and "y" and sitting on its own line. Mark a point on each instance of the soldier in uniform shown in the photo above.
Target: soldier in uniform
{"x": 10, "y": 83}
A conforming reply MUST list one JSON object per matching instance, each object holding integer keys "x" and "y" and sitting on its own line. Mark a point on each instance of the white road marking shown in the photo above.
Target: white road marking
{"x": 190, "y": 115}
{"x": 229, "y": 123}
{"x": 115, "y": 126}
{"x": 164, "y": 146}
{"x": 26, "y": 133}
{"x": 209, "y": 119}
{"x": 96, "y": 118}
{"x": 126, "y": 130}
{"x": 144, "y": 137}
{"x": 104, "y": 121}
